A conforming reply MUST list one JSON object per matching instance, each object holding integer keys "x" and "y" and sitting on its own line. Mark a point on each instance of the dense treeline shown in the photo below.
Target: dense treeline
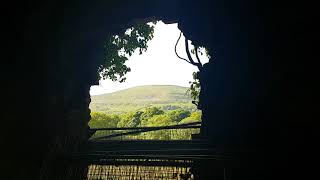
{"x": 153, "y": 116}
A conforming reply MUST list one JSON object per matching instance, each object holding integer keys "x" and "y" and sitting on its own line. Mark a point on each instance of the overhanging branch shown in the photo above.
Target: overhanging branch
{"x": 175, "y": 50}
{"x": 189, "y": 60}
{"x": 197, "y": 56}
{"x": 189, "y": 55}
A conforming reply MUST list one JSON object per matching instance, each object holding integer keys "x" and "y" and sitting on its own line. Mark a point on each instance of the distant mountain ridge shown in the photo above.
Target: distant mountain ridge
{"x": 140, "y": 97}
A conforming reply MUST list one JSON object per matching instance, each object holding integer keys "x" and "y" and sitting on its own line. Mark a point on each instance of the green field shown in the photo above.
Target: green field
{"x": 166, "y": 97}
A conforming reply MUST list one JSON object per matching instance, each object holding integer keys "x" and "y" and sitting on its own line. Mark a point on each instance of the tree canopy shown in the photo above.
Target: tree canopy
{"x": 148, "y": 117}
{"x": 119, "y": 47}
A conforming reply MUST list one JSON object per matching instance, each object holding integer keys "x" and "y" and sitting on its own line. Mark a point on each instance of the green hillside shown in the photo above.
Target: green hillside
{"x": 167, "y": 97}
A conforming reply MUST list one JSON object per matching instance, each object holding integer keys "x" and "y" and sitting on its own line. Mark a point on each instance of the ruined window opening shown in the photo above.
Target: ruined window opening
{"x": 104, "y": 117}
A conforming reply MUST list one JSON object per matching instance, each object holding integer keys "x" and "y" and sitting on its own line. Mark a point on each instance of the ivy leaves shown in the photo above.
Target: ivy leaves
{"x": 194, "y": 89}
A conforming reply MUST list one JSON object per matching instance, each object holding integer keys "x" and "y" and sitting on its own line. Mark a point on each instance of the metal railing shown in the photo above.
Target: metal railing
{"x": 174, "y": 132}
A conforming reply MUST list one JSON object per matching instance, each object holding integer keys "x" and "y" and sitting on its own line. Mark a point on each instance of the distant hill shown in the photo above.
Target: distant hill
{"x": 165, "y": 96}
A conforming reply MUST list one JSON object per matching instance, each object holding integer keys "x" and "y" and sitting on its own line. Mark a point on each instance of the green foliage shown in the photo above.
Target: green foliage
{"x": 99, "y": 119}
{"x": 194, "y": 89}
{"x": 131, "y": 119}
{"x": 149, "y": 118}
{"x": 159, "y": 120}
{"x": 149, "y": 113}
{"x": 119, "y": 47}
{"x": 178, "y": 115}
{"x": 194, "y": 117}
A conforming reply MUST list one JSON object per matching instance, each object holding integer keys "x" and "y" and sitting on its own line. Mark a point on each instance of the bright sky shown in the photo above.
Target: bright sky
{"x": 159, "y": 65}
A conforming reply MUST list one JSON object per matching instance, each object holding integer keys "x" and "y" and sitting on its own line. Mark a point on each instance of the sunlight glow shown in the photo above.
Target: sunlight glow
{"x": 157, "y": 66}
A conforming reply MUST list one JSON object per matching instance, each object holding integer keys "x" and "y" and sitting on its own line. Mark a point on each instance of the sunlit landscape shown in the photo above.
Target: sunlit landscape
{"x": 156, "y": 92}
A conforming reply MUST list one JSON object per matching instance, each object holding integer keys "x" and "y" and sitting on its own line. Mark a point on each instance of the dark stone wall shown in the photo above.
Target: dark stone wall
{"x": 258, "y": 91}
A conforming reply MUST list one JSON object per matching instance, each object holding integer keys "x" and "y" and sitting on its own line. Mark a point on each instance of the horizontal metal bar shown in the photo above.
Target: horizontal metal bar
{"x": 138, "y": 128}
{"x": 141, "y": 163}
{"x": 150, "y": 157}
{"x": 143, "y": 130}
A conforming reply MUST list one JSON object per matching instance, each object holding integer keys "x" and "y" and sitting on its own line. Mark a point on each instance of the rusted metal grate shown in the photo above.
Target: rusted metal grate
{"x": 134, "y": 172}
